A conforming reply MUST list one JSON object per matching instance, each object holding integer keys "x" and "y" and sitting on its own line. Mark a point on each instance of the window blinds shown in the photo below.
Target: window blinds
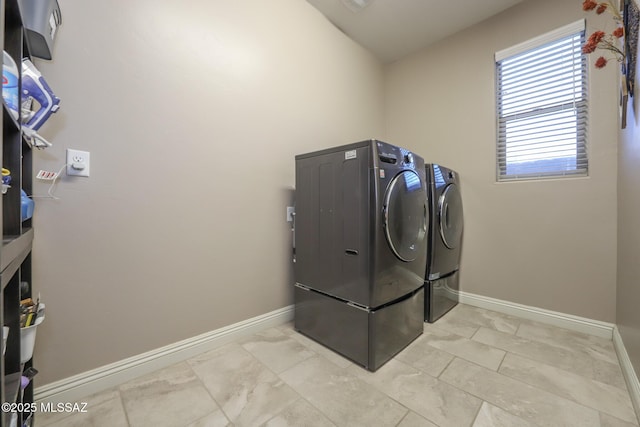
{"x": 542, "y": 107}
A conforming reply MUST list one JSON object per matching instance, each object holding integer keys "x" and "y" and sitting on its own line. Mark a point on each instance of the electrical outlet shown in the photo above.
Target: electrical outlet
{"x": 291, "y": 211}
{"x": 77, "y": 162}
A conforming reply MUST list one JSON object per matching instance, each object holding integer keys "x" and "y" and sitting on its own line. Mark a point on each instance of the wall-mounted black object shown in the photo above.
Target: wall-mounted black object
{"x": 41, "y": 21}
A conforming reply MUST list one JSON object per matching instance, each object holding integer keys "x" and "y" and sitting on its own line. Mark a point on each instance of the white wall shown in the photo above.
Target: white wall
{"x": 193, "y": 112}
{"x": 628, "y": 291}
{"x": 549, "y": 244}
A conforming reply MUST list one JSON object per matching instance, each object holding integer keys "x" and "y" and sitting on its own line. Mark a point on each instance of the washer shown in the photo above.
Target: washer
{"x": 361, "y": 240}
{"x": 445, "y": 241}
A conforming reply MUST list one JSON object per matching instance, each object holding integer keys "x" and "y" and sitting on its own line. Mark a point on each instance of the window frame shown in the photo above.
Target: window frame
{"x": 580, "y": 107}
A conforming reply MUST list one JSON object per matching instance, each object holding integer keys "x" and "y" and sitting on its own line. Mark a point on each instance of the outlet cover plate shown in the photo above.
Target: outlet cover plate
{"x": 77, "y": 156}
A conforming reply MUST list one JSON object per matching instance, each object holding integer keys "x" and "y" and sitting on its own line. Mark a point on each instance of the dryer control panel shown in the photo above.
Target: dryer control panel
{"x": 394, "y": 155}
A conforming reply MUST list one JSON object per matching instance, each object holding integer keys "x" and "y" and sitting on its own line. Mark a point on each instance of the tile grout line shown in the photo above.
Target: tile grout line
{"x": 124, "y": 408}
{"x": 526, "y": 385}
{"x": 502, "y": 361}
{"x": 347, "y": 373}
{"x": 569, "y": 398}
{"x": 403, "y": 418}
{"x": 482, "y": 400}
{"x": 209, "y": 393}
{"x": 374, "y": 387}
{"x": 571, "y": 350}
{"x": 300, "y": 396}
{"x": 515, "y": 333}
{"x": 506, "y": 352}
{"x": 473, "y": 394}
{"x": 475, "y": 418}
{"x": 280, "y": 379}
{"x": 445, "y": 368}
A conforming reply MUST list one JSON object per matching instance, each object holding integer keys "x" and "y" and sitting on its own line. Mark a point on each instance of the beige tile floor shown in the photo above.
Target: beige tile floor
{"x": 472, "y": 368}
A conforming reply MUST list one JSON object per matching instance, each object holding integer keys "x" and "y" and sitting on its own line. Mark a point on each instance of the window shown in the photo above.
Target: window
{"x": 542, "y": 107}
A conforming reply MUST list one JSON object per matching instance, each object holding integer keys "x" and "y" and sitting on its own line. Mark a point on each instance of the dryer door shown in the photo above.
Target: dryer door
{"x": 450, "y": 216}
{"x": 405, "y": 215}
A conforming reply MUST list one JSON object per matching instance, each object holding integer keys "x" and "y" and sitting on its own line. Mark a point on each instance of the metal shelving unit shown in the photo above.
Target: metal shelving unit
{"x": 17, "y": 235}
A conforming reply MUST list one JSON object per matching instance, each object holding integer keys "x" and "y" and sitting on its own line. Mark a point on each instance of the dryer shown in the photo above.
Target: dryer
{"x": 360, "y": 237}
{"x": 445, "y": 241}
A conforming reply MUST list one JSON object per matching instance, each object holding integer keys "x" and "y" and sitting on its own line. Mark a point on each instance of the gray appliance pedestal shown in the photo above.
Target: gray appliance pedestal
{"x": 441, "y": 295}
{"x": 368, "y": 337}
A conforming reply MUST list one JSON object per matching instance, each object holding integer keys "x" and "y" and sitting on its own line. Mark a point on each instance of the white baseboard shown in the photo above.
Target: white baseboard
{"x": 633, "y": 385}
{"x": 562, "y": 320}
{"x": 87, "y": 383}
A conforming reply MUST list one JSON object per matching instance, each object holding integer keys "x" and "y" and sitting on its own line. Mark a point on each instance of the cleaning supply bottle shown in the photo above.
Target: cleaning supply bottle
{"x": 26, "y": 206}
{"x": 10, "y": 92}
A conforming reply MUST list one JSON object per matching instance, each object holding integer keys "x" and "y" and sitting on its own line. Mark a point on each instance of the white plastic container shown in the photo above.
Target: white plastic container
{"x": 28, "y": 337}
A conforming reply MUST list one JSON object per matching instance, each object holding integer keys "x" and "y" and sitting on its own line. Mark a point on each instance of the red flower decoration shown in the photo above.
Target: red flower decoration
{"x": 602, "y": 40}
{"x": 600, "y": 62}
{"x": 596, "y": 37}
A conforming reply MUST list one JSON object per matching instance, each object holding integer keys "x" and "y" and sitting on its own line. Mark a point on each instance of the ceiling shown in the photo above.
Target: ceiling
{"x": 392, "y": 29}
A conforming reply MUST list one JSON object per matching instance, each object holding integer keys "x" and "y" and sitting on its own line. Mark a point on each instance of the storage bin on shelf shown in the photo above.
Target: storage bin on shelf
{"x": 28, "y": 337}
{"x": 26, "y": 206}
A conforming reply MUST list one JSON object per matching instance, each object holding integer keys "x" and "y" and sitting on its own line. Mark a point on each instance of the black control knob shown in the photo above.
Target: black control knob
{"x": 408, "y": 158}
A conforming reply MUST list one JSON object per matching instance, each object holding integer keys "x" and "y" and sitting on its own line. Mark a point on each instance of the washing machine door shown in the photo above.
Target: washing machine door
{"x": 450, "y": 216}
{"x": 405, "y": 215}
